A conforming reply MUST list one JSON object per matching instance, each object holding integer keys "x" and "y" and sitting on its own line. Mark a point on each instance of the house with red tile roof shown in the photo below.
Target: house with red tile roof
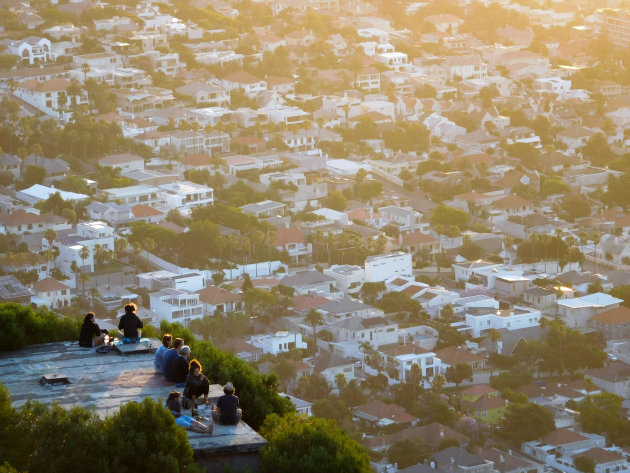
{"x": 510, "y": 206}
{"x": 614, "y": 324}
{"x": 215, "y": 299}
{"x": 147, "y": 213}
{"x": 561, "y": 443}
{"x": 302, "y": 303}
{"x": 21, "y": 222}
{"x": 291, "y": 240}
{"x": 378, "y": 414}
{"x": 241, "y": 79}
{"x": 452, "y": 356}
{"x": 54, "y": 294}
{"x": 242, "y": 349}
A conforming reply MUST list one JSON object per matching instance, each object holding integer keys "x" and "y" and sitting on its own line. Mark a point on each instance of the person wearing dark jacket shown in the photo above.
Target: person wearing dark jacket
{"x": 180, "y": 366}
{"x": 196, "y": 383}
{"x": 170, "y": 356}
{"x": 129, "y": 324}
{"x": 91, "y": 334}
{"x": 227, "y": 412}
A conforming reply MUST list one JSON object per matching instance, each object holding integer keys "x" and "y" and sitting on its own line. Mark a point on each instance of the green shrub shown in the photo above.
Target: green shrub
{"x": 22, "y": 325}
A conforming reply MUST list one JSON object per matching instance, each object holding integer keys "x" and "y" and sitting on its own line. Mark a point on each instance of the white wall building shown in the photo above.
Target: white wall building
{"x": 382, "y": 267}
{"x": 346, "y": 276}
{"x": 88, "y": 235}
{"x": 483, "y": 319}
{"x": 186, "y": 194}
{"x": 50, "y": 96}
{"x": 176, "y": 305}
{"x": 280, "y": 342}
{"x": 132, "y": 195}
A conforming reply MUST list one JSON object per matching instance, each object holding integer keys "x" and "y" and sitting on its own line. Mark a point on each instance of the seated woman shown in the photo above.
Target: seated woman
{"x": 174, "y": 404}
{"x": 158, "y": 362}
{"x": 196, "y": 383}
{"x": 91, "y": 334}
{"x": 129, "y": 324}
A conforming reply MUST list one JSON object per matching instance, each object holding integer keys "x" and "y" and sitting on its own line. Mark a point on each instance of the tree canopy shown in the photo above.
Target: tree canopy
{"x": 309, "y": 445}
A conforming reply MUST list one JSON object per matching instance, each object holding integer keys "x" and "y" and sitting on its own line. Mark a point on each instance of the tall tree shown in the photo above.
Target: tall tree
{"x": 313, "y": 317}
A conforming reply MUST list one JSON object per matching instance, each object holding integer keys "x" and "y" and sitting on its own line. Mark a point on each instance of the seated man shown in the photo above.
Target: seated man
{"x": 179, "y": 369}
{"x": 129, "y": 324}
{"x": 170, "y": 356}
{"x": 227, "y": 412}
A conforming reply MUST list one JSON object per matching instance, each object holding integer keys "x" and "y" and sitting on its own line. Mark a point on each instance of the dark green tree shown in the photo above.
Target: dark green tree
{"x": 525, "y": 422}
{"x": 309, "y": 445}
{"x": 458, "y": 373}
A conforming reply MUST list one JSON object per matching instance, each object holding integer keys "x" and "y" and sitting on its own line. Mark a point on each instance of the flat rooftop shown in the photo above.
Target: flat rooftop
{"x": 104, "y": 382}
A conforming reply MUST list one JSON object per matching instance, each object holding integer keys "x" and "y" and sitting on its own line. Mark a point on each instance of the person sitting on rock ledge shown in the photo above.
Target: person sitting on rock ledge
{"x": 196, "y": 383}
{"x": 174, "y": 404}
{"x": 91, "y": 334}
{"x": 227, "y": 412}
{"x": 158, "y": 362}
{"x": 129, "y": 324}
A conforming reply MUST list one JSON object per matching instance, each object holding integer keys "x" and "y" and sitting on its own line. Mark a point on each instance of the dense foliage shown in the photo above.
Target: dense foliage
{"x": 309, "y": 445}
{"x": 22, "y": 325}
{"x": 139, "y": 437}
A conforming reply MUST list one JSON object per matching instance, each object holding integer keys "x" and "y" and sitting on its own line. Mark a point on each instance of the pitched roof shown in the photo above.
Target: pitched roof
{"x": 48, "y": 285}
{"x": 511, "y": 201}
{"x": 52, "y": 85}
{"x": 215, "y": 295}
{"x": 285, "y": 236}
{"x": 22, "y": 217}
{"x": 326, "y": 360}
{"x": 417, "y": 238}
{"x": 141, "y": 210}
{"x": 478, "y": 390}
{"x": 453, "y": 355}
{"x": 379, "y": 410}
{"x": 304, "y": 302}
{"x": 242, "y": 77}
{"x": 196, "y": 159}
{"x": 599, "y": 455}
{"x": 563, "y": 437}
{"x": 618, "y": 315}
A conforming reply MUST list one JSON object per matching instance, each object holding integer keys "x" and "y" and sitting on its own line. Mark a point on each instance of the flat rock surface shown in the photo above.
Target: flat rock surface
{"x": 104, "y": 382}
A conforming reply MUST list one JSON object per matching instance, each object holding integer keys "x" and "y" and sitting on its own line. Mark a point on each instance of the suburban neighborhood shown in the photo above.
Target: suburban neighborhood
{"x": 415, "y": 214}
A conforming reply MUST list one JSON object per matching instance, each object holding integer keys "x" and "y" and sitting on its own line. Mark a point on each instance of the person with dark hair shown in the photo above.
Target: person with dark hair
{"x": 227, "y": 412}
{"x": 91, "y": 334}
{"x": 129, "y": 324}
{"x": 179, "y": 367}
{"x": 158, "y": 362}
{"x": 196, "y": 383}
{"x": 170, "y": 356}
{"x": 174, "y": 404}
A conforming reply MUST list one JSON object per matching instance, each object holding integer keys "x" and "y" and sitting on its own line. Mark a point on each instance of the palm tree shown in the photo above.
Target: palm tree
{"x": 94, "y": 293}
{"x": 438, "y": 382}
{"x": 85, "y": 67}
{"x": 313, "y": 317}
{"x": 84, "y": 254}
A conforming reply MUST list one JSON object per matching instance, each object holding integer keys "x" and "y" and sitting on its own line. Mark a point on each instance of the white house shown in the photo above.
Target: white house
{"x": 31, "y": 49}
{"x": 375, "y": 330}
{"x": 382, "y": 267}
{"x": 186, "y": 195}
{"x": 156, "y": 280}
{"x": 396, "y": 61}
{"x": 402, "y": 357}
{"x": 176, "y": 305}
{"x": 280, "y": 342}
{"x": 407, "y": 219}
{"x": 70, "y": 245}
{"x": 483, "y": 319}
{"x": 132, "y": 195}
{"x": 250, "y": 84}
{"x": 346, "y": 276}
{"x": 56, "y": 293}
{"x": 50, "y": 96}
{"x": 577, "y": 311}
